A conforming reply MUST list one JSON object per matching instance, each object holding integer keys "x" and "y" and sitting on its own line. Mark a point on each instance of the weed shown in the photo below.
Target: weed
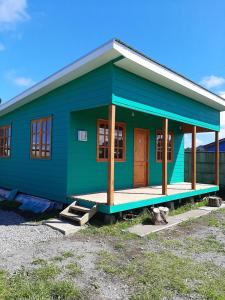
{"x": 67, "y": 254}
{"x": 119, "y": 246}
{"x": 39, "y": 261}
{"x": 73, "y": 269}
{"x": 46, "y": 272}
{"x": 107, "y": 262}
{"x": 64, "y": 290}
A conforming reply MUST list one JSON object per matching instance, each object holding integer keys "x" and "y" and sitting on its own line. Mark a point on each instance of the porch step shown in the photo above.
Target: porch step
{"x": 72, "y": 216}
{"x": 76, "y": 208}
{"x": 77, "y": 213}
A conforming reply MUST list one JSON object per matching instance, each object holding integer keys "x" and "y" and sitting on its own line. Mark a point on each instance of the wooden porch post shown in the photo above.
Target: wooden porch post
{"x": 193, "y": 182}
{"x": 110, "y": 192}
{"x": 217, "y": 159}
{"x": 164, "y": 156}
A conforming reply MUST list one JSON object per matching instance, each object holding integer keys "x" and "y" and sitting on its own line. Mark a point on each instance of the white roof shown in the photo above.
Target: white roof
{"x": 132, "y": 61}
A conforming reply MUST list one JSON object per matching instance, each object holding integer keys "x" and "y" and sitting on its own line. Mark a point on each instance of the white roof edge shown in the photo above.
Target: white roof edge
{"x": 169, "y": 74}
{"x": 125, "y": 51}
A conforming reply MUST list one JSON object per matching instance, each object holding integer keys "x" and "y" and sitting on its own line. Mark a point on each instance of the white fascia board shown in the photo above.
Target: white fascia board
{"x": 87, "y": 63}
{"x": 189, "y": 88}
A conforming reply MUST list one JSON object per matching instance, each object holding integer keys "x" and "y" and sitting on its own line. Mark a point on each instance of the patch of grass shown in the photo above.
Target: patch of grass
{"x": 58, "y": 258}
{"x": 186, "y": 207}
{"x": 194, "y": 245}
{"x": 67, "y": 254}
{"x": 215, "y": 219}
{"x": 164, "y": 275}
{"x": 64, "y": 255}
{"x": 46, "y": 272}
{"x": 119, "y": 246}
{"x": 107, "y": 262}
{"x": 64, "y": 290}
{"x": 3, "y": 284}
{"x": 23, "y": 285}
{"x": 152, "y": 236}
{"x": 118, "y": 229}
{"x": 73, "y": 269}
{"x": 39, "y": 261}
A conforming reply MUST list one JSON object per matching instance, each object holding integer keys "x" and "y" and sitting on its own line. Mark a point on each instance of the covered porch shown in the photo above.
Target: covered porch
{"x": 115, "y": 200}
{"x": 144, "y": 196}
{"x": 164, "y": 189}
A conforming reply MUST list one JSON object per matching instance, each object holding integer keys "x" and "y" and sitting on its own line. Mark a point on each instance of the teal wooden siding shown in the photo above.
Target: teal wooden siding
{"x": 73, "y": 168}
{"x": 137, "y": 93}
{"x": 48, "y": 178}
{"x": 86, "y": 175}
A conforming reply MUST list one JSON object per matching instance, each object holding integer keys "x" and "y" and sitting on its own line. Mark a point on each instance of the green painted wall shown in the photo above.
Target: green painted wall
{"x": 73, "y": 167}
{"x": 86, "y": 175}
{"x": 48, "y": 178}
{"x": 137, "y": 93}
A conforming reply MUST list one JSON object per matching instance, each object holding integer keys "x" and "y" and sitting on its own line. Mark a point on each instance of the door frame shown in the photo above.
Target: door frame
{"x": 147, "y": 131}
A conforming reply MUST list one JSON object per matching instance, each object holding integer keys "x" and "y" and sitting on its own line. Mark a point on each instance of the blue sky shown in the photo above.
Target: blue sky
{"x": 39, "y": 37}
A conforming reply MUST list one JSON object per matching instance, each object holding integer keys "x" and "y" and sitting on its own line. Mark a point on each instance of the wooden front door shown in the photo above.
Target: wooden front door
{"x": 141, "y": 140}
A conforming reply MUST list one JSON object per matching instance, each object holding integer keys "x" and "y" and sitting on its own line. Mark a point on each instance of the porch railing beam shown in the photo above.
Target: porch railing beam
{"x": 193, "y": 162}
{"x": 164, "y": 156}
{"x": 110, "y": 191}
{"x": 217, "y": 159}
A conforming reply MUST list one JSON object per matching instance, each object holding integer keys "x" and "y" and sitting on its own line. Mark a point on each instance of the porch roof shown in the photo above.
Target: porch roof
{"x": 124, "y": 57}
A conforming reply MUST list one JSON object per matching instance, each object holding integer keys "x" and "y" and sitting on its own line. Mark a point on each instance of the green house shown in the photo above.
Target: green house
{"x": 107, "y": 129}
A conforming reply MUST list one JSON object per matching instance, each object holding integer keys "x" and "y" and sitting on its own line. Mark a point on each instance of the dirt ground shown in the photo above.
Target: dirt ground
{"x": 186, "y": 262}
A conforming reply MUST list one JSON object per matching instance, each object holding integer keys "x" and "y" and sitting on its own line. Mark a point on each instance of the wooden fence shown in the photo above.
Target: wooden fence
{"x": 205, "y": 167}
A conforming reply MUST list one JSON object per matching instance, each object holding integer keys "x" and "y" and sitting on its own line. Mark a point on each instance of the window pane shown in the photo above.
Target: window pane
{"x": 101, "y": 153}
{"x": 101, "y": 140}
{"x": 101, "y": 129}
{"x": 34, "y": 127}
{"x": 43, "y": 137}
{"x": 120, "y": 143}
{"x": 38, "y": 126}
{"x": 106, "y": 129}
{"x": 120, "y": 153}
{"x": 106, "y": 152}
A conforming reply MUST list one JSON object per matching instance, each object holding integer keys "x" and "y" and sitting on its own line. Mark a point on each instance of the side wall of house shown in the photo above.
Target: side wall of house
{"x": 86, "y": 175}
{"x": 134, "y": 92}
{"x": 48, "y": 178}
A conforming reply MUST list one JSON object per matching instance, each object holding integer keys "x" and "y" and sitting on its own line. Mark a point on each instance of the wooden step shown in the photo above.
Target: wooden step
{"x": 79, "y": 208}
{"x": 78, "y": 213}
{"x": 72, "y": 216}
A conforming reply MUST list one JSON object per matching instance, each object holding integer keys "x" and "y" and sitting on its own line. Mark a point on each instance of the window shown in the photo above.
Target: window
{"x": 159, "y": 146}
{"x": 41, "y": 138}
{"x": 103, "y": 141}
{"x": 5, "y": 141}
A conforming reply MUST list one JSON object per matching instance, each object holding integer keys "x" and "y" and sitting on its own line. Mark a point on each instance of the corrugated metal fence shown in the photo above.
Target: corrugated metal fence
{"x": 205, "y": 167}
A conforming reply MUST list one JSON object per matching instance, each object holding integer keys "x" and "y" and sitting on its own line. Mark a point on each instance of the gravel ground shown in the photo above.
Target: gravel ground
{"x": 15, "y": 234}
{"x": 21, "y": 243}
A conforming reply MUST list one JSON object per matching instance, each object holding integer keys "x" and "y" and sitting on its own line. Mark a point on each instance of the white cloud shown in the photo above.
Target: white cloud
{"x": 212, "y": 81}
{"x": 200, "y": 140}
{"x": 12, "y": 12}
{"x": 2, "y": 47}
{"x": 21, "y": 81}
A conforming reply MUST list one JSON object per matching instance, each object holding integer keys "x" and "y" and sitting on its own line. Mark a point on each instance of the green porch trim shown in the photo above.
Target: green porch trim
{"x": 137, "y": 204}
{"x": 161, "y": 113}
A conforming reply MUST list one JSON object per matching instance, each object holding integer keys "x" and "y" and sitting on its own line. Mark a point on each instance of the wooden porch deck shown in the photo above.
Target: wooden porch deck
{"x": 122, "y": 197}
